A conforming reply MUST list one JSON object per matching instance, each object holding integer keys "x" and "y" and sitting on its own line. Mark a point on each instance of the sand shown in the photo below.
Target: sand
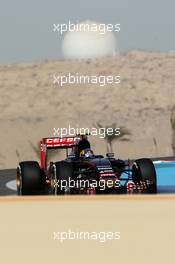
{"x": 31, "y": 105}
{"x": 146, "y": 227}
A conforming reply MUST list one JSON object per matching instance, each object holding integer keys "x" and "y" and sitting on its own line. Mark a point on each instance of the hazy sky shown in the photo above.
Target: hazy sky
{"x": 26, "y": 26}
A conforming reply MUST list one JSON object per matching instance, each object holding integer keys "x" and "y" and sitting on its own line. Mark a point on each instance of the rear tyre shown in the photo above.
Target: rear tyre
{"x": 29, "y": 178}
{"x": 63, "y": 175}
{"x": 144, "y": 172}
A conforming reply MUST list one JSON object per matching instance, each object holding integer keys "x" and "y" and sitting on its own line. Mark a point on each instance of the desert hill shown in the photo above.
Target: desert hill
{"x": 31, "y": 105}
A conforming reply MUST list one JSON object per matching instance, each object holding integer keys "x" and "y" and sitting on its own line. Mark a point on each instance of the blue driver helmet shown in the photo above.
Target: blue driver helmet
{"x": 87, "y": 153}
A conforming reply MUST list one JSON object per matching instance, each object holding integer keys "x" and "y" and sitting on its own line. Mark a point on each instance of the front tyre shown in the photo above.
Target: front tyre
{"x": 144, "y": 173}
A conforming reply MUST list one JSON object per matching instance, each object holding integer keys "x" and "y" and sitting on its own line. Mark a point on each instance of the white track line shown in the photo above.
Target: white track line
{"x": 11, "y": 185}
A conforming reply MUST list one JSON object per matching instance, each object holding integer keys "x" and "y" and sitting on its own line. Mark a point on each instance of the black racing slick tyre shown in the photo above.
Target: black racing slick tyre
{"x": 143, "y": 171}
{"x": 63, "y": 175}
{"x": 29, "y": 178}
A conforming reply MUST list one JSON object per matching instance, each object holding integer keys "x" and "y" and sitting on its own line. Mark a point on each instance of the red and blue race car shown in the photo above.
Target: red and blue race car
{"x": 83, "y": 172}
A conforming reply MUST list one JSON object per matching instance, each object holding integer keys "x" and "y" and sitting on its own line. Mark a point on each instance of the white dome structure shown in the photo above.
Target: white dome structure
{"x": 88, "y": 43}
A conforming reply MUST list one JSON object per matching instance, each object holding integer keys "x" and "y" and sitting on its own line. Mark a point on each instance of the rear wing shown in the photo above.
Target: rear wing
{"x": 55, "y": 143}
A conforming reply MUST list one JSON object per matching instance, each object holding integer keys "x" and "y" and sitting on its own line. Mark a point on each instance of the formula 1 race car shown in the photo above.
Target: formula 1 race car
{"x": 83, "y": 172}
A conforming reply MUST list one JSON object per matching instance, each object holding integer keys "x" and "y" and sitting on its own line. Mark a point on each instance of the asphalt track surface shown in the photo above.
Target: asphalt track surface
{"x": 5, "y": 177}
{"x": 165, "y": 175}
